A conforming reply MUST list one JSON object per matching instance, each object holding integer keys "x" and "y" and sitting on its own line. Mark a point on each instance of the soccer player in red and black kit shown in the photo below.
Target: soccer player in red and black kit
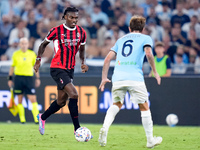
{"x": 68, "y": 39}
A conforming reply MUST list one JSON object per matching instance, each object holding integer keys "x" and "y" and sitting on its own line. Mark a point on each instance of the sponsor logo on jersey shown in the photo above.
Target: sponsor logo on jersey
{"x": 61, "y": 81}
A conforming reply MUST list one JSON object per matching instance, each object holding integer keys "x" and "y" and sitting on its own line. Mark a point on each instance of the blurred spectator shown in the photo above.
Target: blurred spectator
{"x": 5, "y": 8}
{"x": 104, "y": 50}
{"x": 118, "y": 4}
{"x": 52, "y": 21}
{"x": 197, "y": 65}
{"x": 166, "y": 27}
{"x": 32, "y": 27}
{"x": 193, "y": 57}
{"x": 152, "y": 15}
{"x": 177, "y": 35}
{"x": 170, "y": 49}
{"x": 121, "y": 22}
{"x": 82, "y": 21}
{"x": 45, "y": 17}
{"x": 130, "y": 10}
{"x": 180, "y": 51}
{"x": 146, "y": 6}
{"x": 54, "y": 9}
{"x": 156, "y": 31}
{"x": 107, "y": 8}
{"x": 166, "y": 12}
{"x": 29, "y": 5}
{"x": 180, "y": 16}
{"x": 88, "y": 6}
{"x": 20, "y": 27}
{"x": 9, "y": 52}
{"x": 184, "y": 6}
{"x": 5, "y": 28}
{"x": 192, "y": 24}
{"x": 99, "y": 15}
{"x": 179, "y": 67}
{"x": 117, "y": 13}
{"x": 101, "y": 30}
{"x": 193, "y": 41}
{"x": 146, "y": 30}
{"x": 195, "y": 8}
{"x": 92, "y": 49}
{"x": 162, "y": 61}
{"x": 38, "y": 10}
{"x": 114, "y": 32}
{"x": 91, "y": 28}
{"x": 32, "y": 24}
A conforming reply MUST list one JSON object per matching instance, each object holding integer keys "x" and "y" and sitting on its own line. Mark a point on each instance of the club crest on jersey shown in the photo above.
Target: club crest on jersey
{"x": 78, "y": 34}
{"x": 61, "y": 81}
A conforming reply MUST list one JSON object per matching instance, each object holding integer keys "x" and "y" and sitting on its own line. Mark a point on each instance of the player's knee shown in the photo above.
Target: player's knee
{"x": 74, "y": 96}
{"x": 61, "y": 103}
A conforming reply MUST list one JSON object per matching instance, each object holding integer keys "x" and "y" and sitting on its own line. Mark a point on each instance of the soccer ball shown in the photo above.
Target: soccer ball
{"x": 172, "y": 120}
{"x": 83, "y": 134}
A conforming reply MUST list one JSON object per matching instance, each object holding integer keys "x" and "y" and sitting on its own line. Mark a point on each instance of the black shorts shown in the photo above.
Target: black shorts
{"x": 24, "y": 85}
{"x": 62, "y": 77}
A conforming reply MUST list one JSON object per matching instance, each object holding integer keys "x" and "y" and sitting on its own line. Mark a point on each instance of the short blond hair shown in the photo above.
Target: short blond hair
{"x": 137, "y": 23}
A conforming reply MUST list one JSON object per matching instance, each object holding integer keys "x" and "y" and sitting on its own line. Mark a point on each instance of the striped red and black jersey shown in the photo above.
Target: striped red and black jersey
{"x": 66, "y": 44}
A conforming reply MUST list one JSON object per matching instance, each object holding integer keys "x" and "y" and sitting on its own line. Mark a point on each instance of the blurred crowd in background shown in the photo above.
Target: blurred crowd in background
{"x": 174, "y": 22}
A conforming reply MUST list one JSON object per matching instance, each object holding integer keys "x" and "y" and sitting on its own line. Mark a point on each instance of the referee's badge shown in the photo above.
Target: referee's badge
{"x": 32, "y": 91}
{"x": 78, "y": 34}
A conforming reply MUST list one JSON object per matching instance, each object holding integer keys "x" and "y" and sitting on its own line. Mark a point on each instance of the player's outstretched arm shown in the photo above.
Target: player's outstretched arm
{"x": 84, "y": 67}
{"x": 105, "y": 69}
{"x": 40, "y": 52}
{"x": 150, "y": 58}
{"x": 10, "y": 82}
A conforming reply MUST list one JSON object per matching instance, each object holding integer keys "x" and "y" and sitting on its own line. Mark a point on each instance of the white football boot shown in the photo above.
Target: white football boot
{"x": 103, "y": 137}
{"x": 154, "y": 142}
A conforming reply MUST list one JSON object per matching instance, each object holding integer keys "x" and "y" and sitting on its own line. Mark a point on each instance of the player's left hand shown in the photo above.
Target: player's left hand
{"x": 84, "y": 68}
{"x": 103, "y": 82}
{"x": 37, "y": 82}
{"x": 37, "y": 65}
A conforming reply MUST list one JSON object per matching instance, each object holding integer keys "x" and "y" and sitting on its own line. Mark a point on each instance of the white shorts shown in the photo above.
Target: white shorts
{"x": 137, "y": 90}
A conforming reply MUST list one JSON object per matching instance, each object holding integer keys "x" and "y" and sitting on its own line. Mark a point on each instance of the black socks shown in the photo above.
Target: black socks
{"x": 54, "y": 107}
{"x": 73, "y": 108}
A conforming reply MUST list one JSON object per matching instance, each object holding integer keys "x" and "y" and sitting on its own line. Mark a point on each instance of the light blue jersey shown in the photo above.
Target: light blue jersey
{"x": 130, "y": 56}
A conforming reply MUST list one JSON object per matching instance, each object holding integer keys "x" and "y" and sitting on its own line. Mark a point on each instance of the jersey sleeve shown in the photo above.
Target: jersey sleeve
{"x": 84, "y": 37}
{"x": 13, "y": 60}
{"x": 168, "y": 63}
{"x": 51, "y": 35}
{"x": 148, "y": 42}
{"x": 115, "y": 47}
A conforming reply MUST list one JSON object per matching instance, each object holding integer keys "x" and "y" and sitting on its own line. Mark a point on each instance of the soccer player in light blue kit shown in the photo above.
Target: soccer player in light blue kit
{"x": 130, "y": 51}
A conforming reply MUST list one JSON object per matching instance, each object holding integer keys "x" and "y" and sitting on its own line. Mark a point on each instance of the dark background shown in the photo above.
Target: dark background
{"x": 177, "y": 95}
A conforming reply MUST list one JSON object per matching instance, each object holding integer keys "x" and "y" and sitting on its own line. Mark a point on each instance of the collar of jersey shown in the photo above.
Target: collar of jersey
{"x": 71, "y": 29}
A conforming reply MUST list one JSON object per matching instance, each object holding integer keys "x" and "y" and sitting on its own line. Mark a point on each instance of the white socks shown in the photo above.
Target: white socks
{"x": 110, "y": 116}
{"x": 147, "y": 124}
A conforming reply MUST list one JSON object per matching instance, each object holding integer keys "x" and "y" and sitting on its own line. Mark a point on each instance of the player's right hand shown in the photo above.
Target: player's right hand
{"x": 37, "y": 65}
{"x": 157, "y": 78}
{"x": 103, "y": 82}
{"x": 10, "y": 83}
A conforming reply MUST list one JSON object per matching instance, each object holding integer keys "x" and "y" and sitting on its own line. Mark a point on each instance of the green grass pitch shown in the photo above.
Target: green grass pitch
{"x": 15, "y": 136}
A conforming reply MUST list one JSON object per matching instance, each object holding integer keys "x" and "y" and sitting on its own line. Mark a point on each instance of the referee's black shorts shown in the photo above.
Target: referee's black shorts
{"x": 24, "y": 85}
{"x": 62, "y": 77}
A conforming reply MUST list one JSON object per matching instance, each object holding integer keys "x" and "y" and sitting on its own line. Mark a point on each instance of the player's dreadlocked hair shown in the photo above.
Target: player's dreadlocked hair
{"x": 69, "y": 9}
